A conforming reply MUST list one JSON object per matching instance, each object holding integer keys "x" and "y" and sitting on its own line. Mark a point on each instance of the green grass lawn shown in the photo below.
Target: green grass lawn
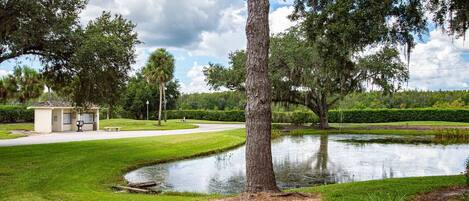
{"x": 135, "y": 125}
{"x": 388, "y": 189}
{"x": 374, "y": 128}
{"x": 6, "y": 128}
{"x": 402, "y": 123}
{"x": 85, "y": 170}
{"x": 313, "y": 131}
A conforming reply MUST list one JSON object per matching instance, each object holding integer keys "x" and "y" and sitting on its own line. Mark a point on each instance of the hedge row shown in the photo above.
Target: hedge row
{"x": 12, "y": 113}
{"x": 393, "y": 115}
{"x": 345, "y": 116}
{"x": 238, "y": 115}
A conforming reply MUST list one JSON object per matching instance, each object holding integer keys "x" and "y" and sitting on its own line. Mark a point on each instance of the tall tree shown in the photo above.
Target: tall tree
{"x": 259, "y": 169}
{"x": 300, "y": 76}
{"x": 39, "y": 27}
{"x": 24, "y": 84}
{"x": 159, "y": 70}
{"x": 97, "y": 71}
{"x": 138, "y": 91}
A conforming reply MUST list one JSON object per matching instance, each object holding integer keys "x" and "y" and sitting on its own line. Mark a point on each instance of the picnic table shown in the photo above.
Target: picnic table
{"x": 111, "y": 128}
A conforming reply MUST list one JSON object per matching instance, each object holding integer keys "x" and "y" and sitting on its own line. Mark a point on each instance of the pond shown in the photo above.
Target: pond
{"x": 301, "y": 161}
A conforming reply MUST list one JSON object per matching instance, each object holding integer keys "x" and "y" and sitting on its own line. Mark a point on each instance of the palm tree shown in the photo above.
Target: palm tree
{"x": 159, "y": 70}
{"x": 23, "y": 84}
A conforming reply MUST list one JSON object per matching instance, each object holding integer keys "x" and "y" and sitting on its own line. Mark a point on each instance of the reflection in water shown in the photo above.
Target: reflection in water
{"x": 306, "y": 161}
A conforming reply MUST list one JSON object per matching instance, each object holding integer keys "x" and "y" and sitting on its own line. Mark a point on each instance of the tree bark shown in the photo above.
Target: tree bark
{"x": 323, "y": 116}
{"x": 159, "y": 107}
{"x": 164, "y": 102}
{"x": 259, "y": 169}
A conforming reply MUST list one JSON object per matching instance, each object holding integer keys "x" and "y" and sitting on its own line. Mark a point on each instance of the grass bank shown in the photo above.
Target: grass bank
{"x": 85, "y": 170}
{"x": 387, "y": 189}
{"x": 402, "y": 123}
{"x": 312, "y": 131}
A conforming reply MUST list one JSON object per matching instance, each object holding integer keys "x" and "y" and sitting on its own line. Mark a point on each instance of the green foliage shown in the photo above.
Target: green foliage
{"x": 96, "y": 68}
{"x": 42, "y": 28}
{"x": 23, "y": 85}
{"x": 451, "y": 15}
{"x": 228, "y": 100}
{"x": 212, "y": 115}
{"x": 394, "y": 115}
{"x": 405, "y": 99}
{"x": 138, "y": 91}
{"x": 218, "y": 76}
{"x": 238, "y": 115}
{"x": 337, "y": 116}
{"x": 301, "y": 76}
{"x": 158, "y": 71}
{"x": 12, "y": 113}
{"x": 160, "y": 67}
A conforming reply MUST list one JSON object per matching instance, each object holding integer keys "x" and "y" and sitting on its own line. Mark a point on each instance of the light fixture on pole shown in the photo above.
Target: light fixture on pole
{"x": 148, "y": 102}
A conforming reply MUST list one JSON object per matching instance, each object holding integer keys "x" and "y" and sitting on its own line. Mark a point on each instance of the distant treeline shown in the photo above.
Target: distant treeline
{"x": 230, "y": 100}
{"x": 407, "y": 99}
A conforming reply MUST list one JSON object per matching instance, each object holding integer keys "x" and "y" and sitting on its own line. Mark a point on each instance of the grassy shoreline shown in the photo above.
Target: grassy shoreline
{"x": 85, "y": 170}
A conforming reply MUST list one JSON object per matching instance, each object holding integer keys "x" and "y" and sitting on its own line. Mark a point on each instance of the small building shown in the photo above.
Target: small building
{"x": 60, "y": 116}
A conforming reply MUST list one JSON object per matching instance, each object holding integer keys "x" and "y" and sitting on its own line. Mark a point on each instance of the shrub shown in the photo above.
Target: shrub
{"x": 13, "y": 113}
{"x": 393, "y": 115}
{"x": 238, "y": 115}
{"x": 335, "y": 116}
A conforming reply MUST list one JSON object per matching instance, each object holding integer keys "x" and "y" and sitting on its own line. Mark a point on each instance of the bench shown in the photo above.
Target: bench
{"x": 109, "y": 128}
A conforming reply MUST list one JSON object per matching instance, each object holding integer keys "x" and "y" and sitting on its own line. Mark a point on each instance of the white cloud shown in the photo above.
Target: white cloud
{"x": 231, "y": 36}
{"x": 279, "y": 21}
{"x": 439, "y": 63}
{"x": 228, "y": 37}
{"x": 196, "y": 82}
{"x": 165, "y": 23}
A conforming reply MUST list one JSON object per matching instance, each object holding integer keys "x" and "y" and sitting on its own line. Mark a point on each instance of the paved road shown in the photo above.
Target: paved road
{"x": 101, "y": 135}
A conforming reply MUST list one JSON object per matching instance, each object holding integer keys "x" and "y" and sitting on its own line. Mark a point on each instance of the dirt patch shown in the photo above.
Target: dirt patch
{"x": 273, "y": 197}
{"x": 451, "y": 193}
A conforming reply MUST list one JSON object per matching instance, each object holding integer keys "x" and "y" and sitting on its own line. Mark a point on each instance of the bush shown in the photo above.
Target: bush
{"x": 238, "y": 115}
{"x": 335, "y": 116}
{"x": 13, "y": 113}
{"x": 393, "y": 115}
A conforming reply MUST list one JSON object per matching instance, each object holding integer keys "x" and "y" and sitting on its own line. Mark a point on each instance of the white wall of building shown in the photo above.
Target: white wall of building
{"x": 43, "y": 120}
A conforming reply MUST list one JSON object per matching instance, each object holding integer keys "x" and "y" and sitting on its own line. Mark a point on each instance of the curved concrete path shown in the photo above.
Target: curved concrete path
{"x": 101, "y": 135}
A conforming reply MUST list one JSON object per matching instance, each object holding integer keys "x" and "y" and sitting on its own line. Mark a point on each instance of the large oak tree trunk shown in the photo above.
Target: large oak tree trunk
{"x": 259, "y": 169}
{"x": 323, "y": 119}
{"x": 161, "y": 101}
{"x": 323, "y": 110}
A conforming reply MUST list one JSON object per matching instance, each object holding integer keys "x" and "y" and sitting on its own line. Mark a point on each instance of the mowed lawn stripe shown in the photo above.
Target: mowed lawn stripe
{"x": 85, "y": 170}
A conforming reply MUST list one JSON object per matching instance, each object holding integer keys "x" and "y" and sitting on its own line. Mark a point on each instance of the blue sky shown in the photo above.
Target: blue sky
{"x": 198, "y": 32}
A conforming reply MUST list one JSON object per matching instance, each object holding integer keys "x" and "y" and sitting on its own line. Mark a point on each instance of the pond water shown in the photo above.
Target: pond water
{"x": 301, "y": 161}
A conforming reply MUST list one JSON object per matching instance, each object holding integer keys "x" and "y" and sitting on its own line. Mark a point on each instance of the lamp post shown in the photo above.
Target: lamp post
{"x": 147, "y": 108}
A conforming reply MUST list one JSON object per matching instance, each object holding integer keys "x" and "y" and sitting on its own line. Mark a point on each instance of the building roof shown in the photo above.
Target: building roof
{"x": 55, "y": 104}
